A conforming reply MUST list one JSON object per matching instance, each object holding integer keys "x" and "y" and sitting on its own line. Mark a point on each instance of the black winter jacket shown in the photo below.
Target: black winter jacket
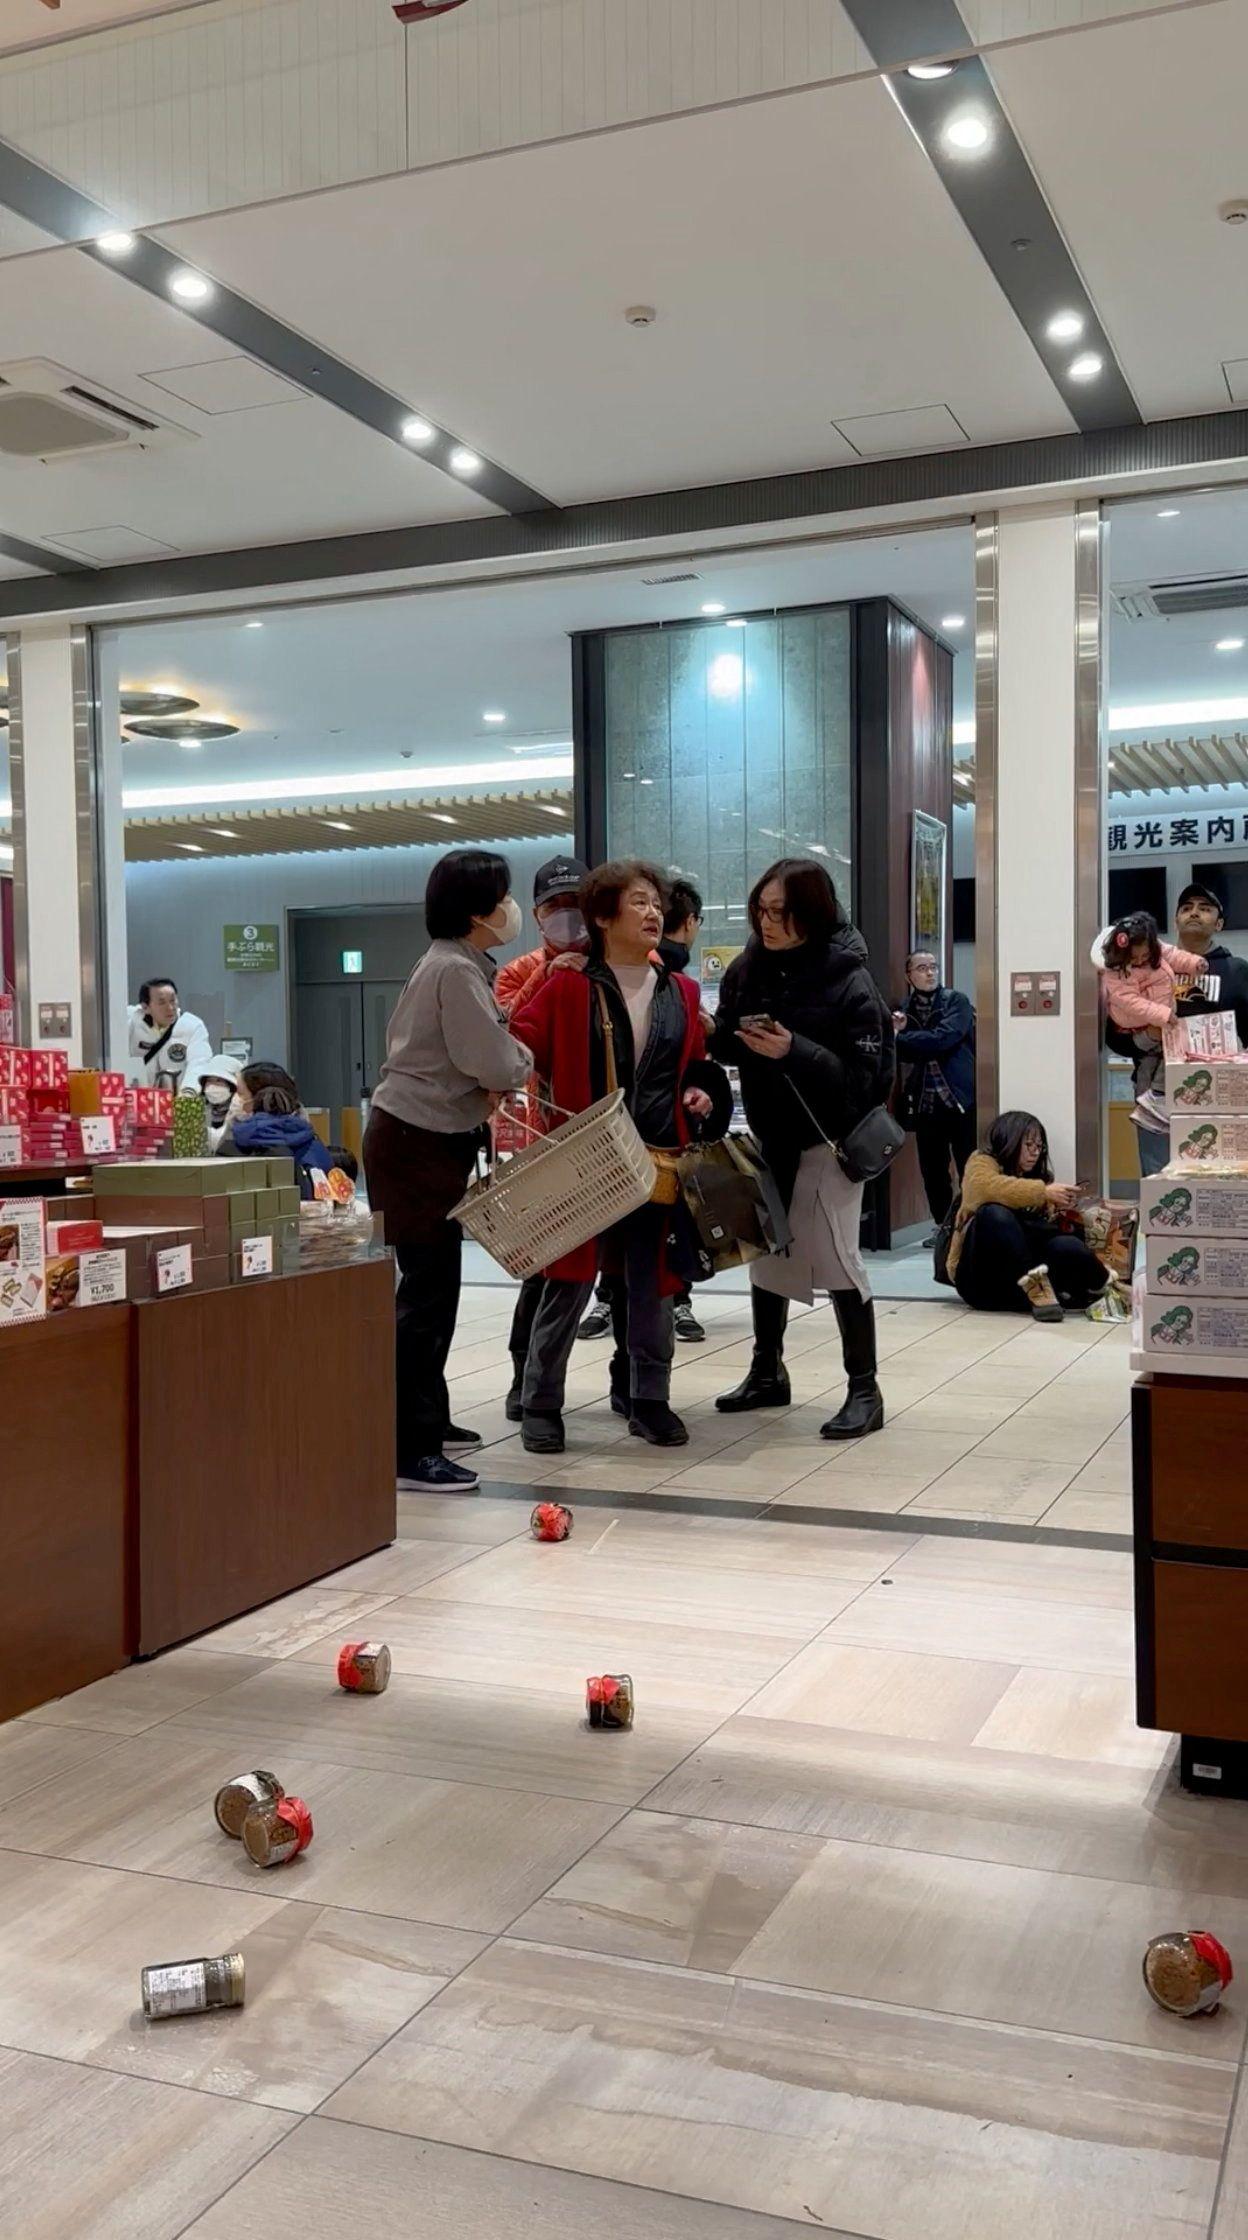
{"x": 842, "y": 1055}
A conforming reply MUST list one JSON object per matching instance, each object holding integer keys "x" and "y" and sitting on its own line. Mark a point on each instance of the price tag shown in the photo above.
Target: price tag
{"x": 102, "y": 1278}
{"x": 174, "y": 1268}
{"x": 257, "y": 1256}
{"x": 10, "y": 1147}
{"x": 98, "y": 1136}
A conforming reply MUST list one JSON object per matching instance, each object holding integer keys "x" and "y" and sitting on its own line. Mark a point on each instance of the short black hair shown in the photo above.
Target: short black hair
{"x": 158, "y": 980}
{"x": 270, "y": 1087}
{"x": 683, "y": 902}
{"x": 921, "y": 952}
{"x": 810, "y": 899}
{"x": 1004, "y": 1143}
{"x": 605, "y": 888}
{"x": 466, "y": 884}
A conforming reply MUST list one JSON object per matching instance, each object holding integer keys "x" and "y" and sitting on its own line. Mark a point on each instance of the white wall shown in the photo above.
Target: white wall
{"x": 176, "y": 912}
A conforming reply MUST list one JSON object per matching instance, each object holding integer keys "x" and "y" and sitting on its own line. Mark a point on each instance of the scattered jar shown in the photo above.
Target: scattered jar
{"x": 364, "y": 1667}
{"x": 277, "y": 1831}
{"x": 234, "y": 1799}
{"x": 1187, "y": 1971}
{"x": 193, "y": 1986}
{"x": 609, "y": 1700}
{"x": 550, "y": 1521}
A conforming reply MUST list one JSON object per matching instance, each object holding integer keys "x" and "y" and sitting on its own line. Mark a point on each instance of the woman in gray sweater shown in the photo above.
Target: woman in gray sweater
{"x": 448, "y": 1054}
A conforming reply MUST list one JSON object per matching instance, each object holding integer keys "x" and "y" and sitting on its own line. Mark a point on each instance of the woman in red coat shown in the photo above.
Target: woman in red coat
{"x": 651, "y": 1017}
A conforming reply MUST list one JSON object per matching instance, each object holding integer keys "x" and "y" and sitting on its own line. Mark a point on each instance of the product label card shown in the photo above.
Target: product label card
{"x": 23, "y": 1281}
{"x": 98, "y": 1135}
{"x": 256, "y": 1256}
{"x": 102, "y": 1278}
{"x": 175, "y": 1268}
{"x": 10, "y": 1147}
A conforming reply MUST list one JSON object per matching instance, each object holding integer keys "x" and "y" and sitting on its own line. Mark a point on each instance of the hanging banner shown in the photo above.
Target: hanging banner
{"x": 1160, "y": 836}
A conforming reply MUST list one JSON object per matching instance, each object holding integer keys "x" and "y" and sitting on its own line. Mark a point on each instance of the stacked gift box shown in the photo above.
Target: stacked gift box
{"x": 1191, "y": 1302}
{"x": 52, "y": 1266}
{"x": 216, "y": 1206}
{"x": 34, "y": 1103}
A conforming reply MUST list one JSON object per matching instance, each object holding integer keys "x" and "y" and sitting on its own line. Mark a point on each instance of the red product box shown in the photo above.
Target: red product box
{"x": 75, "y": 1236}
{"x": 14, "y": 1067}
{"x": 153, "y": 1108}
{"x": 113, "y": 1086}
{"x": 14, "y": 1106}
{"x": 49, "y": 1069}
{"x": 46, "y": 1099}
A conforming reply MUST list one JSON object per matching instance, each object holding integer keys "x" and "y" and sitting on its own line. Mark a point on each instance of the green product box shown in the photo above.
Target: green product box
{"x": 281, "y": 1173}
{"x": 289, "y": 1200}
{"x": 267, "y": 1206}
{"x": 243, "y": 1213}
{"x": 254, "y": 1173}
{"x": 163, "y": 1178}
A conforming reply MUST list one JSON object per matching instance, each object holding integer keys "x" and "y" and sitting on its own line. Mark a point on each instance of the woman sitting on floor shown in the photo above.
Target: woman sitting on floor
{"x": 1007, "y": 1252}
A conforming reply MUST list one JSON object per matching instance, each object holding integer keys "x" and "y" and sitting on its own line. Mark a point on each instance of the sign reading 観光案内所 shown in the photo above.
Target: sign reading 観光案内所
{"x": 1155, "y": 836}
{"x": 251, "y": 949}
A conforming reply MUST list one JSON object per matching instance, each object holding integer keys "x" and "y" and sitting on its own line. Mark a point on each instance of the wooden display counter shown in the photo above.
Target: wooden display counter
{"x": 1190, "y": 1462}
{"x": 167, "y": 1466}
{"x": 64, "y": 1498}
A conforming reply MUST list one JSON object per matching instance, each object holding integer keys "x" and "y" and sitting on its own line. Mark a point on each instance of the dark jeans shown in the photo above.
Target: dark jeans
{"x": 944, "y": 1137}
{"x": 998, "y": 1248}
{"x": 414, "y": 1178}
{"x": 527, "y": 1303}
{"x": 649, "y": 1334}
{"x": 607, "y": 1286}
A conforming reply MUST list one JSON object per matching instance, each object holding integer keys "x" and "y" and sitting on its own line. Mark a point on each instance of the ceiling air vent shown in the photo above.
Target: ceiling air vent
{"x": 1151, "y": 602}
{"x": 682, "y": 575}
{"x": 48, "y": 413}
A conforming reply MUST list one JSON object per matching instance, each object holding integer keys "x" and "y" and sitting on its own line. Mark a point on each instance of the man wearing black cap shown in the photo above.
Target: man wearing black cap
{"x": 1198, "y": 920}
{"x": 565, "y": 942}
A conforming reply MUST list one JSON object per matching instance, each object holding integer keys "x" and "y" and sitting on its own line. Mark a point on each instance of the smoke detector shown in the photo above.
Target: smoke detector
{"x": 641, "y": 314}
{"x": 422, "y": 11}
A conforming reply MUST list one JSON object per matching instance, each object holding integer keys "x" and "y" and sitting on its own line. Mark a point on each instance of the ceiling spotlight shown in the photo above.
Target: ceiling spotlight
{"x": 439, "y": 816}
{"x": 1086, "y": 366}
{"x": 191, "y": 744}
{"x": 466, "y": 462}
{"x": 192, "y": 847}
{"x": 1229, "y": 645}
{"x": 967, "y": 133}
{"x": 735, "y": 622}
{"x": 114, "y": 244}
{"x": 190, "y": 287}
{"x": 1167, "y": 513}
{"x": 553, "y": 809}
{"x": 417, "y": 431}
{"x": 220, "y": 832}
{"x": 645, "y": 781}
{"x": 1067, "y": 326}
{"x": 953, "y": 622}
{"x": 926, "y": 70}
{"x": 713, "y": 606}
{"x": 493, "y": 715}
{"x": 253, "y": 626}
{"x": 335, "y": 824}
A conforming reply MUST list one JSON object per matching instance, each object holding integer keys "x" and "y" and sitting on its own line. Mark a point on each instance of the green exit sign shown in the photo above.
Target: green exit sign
{"x": 353, "y": 960}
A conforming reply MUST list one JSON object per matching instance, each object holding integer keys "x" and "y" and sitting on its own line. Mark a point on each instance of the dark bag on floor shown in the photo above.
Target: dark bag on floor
{"x": 733, "y": 1202}
{"x": 944, "y": 1238}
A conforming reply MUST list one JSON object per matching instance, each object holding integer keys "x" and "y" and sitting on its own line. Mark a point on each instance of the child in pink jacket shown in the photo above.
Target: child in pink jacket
{"x": 1138, "y": 975}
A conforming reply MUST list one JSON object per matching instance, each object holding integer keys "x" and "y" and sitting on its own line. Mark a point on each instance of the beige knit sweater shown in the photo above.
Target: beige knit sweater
{"x": 986, "y": 1184}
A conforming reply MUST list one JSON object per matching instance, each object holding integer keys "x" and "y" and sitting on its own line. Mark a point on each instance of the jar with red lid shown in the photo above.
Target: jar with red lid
{"x": 364, "y": 1667}
{"x": 550, "y": 1521}
{"x": 1186, "y": 1971}
{"x": 277, "y": 1831}
{"x": 235, "y": 1799}
{"x": 609, "y": 1700}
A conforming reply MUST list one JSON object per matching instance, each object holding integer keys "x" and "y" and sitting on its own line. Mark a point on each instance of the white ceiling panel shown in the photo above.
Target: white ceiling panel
{"x": 1137, "y": 132}
{"x": 243, "y": 478}
{"x": 805, "y": 265}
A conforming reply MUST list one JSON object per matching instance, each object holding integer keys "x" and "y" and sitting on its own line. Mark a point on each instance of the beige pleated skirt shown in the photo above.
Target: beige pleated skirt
{"x": 825, "y": 1216}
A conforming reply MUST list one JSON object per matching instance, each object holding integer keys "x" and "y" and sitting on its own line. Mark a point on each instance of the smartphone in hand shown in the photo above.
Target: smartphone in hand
{"x": 761, "y": 1021}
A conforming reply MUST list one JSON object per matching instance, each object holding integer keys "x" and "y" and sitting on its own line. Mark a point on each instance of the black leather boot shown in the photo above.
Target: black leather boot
{"x": 766, "y": 1381}
{"x": 863, "y": 1409}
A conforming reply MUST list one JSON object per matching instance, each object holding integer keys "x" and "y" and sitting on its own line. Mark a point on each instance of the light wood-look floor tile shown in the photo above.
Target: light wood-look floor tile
{"x": 1006, "y": 1487}
{"x": 280, "y": 1628}
{"x": 878, "y": 1691}
{"x": 575, "y": 1577}
{"x": 33, "y": 1753}
{"x": 141, "y": 1695}
{"x": 1090, "y": 1512}
{"x": 324, "y": 1988}
{"x": 1005, "y": 1629}
{"x": 103, "y": 2157}
{"x": 1073, "y": 1715}
{"x": 473, "y": 1518}
{"x": 905, "y": 2125}
{"x": 1028, "y": 1946}
{"x": 1006, "y": 1568}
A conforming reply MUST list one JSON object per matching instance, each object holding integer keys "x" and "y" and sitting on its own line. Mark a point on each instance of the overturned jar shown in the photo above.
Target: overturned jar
{"x": 193, "y": 1986}
{"x": 236, "y": 1798}
{"x": 276, "y": 1832}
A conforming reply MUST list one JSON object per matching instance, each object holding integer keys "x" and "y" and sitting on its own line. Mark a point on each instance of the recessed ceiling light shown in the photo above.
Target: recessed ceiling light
{"x": 713, "y": 606}
{"x": 466, "y": 462}
{"x": 1167, "y": 513}
{"x": 417, "y": 431}
{"x": 253, "y": 626}
{"x": 735, "y": 622}
{"x": 645, "y": 781}
{"x": 926, "y": 70}
{"x": 192, "y": 745}
{"x": 190, "y": 287}
{"x": 493, "y": 715}
{"x": 192, "y": 847}
{"x": 1067, "y": 326}
{"x": 115, "y": 244}
{"x": 335, "y": 824}
{"x": 439, "y": 816}
{"x": 553, "y": 809}
{"x": 1086, "y": 366}
{"x": 953, "y": 622}
{"x": 967, "y": 133}
{"x": 628, "y": 773}
{"x": 1229, "y": 645}
{"x": 220, "y": 832}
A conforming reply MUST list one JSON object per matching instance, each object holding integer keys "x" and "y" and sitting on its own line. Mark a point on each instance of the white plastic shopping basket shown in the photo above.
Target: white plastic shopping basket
{"x": 561, "y": 1190}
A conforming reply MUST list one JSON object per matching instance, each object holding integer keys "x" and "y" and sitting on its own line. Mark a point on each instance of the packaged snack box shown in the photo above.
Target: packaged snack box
{"x": 1173, "y": 1330}
{"x": 1201, "y": 1267}
{"x": 1215, "y": 1140}
{"x": 1194, "y": 1205}
{"x": 1207, "y": 1085}
{"x": 14, "y": 1067}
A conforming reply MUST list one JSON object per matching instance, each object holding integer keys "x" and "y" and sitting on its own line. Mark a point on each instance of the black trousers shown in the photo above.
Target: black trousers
{"x": 998, "y": 1248}
{"x": 528, "y": 1300}
{"x": 944, "y": 1137}
{"x": 414, "y": 1178}
{"x": 641, "y": 1318}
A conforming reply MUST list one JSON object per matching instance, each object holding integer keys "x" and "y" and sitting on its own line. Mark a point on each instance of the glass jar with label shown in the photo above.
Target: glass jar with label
{"x": 193, "y": 1986}
{"x": 364, "y": 1667}
{"x": 234, "y": 1799}
{"x": 609, "y": 1700}
{"x": 277, "y": 1831}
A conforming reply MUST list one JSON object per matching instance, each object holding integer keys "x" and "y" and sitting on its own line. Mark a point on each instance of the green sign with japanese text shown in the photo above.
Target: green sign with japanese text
{"x": 251, "y": 949}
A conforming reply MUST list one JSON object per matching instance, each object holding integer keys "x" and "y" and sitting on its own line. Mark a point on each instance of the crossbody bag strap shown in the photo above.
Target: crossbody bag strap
{"x": 608, "y": 1037}
{"x": 810, "y": 1116}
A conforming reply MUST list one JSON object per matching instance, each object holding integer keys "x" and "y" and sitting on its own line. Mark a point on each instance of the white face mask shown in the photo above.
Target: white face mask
{"x": 510, "y": 913}
{"x": 564, "y": 930}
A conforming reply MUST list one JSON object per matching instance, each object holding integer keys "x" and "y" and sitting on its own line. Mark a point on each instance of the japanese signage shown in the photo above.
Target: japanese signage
{"x": 251, "y": 949}
{"x": 1157, "y": 836}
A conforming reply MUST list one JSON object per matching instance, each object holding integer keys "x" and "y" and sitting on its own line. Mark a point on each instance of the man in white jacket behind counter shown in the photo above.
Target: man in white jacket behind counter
{"x": 169, "y": 1047}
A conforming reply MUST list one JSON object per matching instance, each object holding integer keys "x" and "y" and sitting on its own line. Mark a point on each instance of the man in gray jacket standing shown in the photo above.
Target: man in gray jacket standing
{"x": 448, "y": 1054}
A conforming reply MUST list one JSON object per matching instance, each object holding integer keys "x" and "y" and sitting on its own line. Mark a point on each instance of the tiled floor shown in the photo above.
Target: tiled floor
{"x": 844, "y": 1936}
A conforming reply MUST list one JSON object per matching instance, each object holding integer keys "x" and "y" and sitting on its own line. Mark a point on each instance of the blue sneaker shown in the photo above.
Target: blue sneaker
{"x": 434, "y": 1474}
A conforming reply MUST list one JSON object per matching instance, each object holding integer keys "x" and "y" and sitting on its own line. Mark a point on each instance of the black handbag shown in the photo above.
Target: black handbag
{"x": 869, "y": 1148}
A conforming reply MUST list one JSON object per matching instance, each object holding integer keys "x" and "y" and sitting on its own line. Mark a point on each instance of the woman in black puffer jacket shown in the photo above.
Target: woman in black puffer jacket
{"x": 802, "y": 1018}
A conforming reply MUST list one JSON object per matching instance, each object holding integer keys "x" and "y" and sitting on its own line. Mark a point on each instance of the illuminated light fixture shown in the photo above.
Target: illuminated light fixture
{"x": 1228, "y": 645}
{"x": 628, "y": 773}
{"x": 417, "y": 431}
{"x": 493, "y": 715}
{"x": 953, "y": 622}
{"x": 192, "y": 746}
{"x": 963, "y": 734}
{"x": 192, "y": 847}
{"x": 190, "y": 287}
{"x": 1086, "y": 366}
{"x": 817, "y": 848}
{"x": 464, "y": 461}
{"x": 924, "y": 71}
{"x": 735, "y": 622}
{"x": 335, "y": 824}
{"x": 220, "y": 832}
{"x": 713, "y": 606}
{"x": 725, "y": 675}
{"x": 161, "y": 700}
{"x": 253, "y": 626}
{"x": 115, "y": 244}
{"x": 1167, "y": 513}
{"x": 350, "y": 784}
{"x": 645, "y": 781}
{"x": 1067, "y": 326}
{"x": 189, "y": 731}
{"x": 967, "y": 133}
{"x": 1156, "y": 715}
{"x": 439, "y": 816}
